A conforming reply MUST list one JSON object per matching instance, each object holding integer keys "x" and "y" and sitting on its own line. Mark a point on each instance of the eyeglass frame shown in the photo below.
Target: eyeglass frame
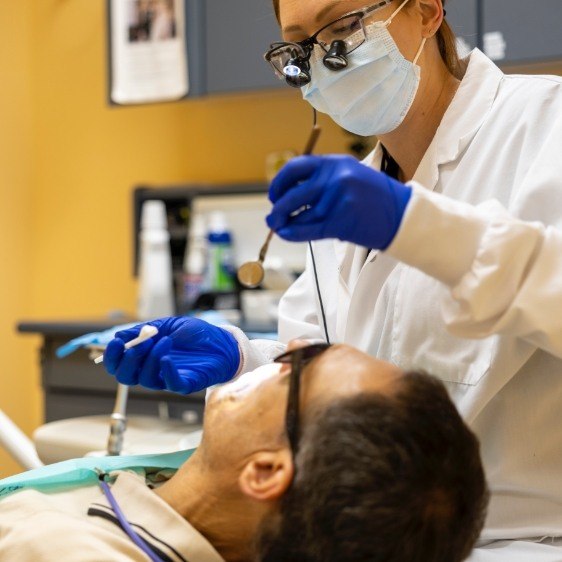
{"x": 297, "y": 359}
{"x": 307, "y": 45}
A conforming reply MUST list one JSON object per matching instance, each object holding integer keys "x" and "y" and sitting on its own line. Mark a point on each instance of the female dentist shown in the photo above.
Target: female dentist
{"x": 449, "y": 260}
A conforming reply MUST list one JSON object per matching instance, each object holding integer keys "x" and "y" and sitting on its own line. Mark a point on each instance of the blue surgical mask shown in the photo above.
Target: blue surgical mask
{"x": 373, "y": 95}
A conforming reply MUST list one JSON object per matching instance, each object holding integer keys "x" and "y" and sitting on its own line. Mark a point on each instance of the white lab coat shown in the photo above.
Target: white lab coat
{"x": 541, "y": 550}
{"x": 471, "y": 288}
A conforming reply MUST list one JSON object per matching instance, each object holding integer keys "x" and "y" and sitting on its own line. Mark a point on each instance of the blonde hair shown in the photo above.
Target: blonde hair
{"x": 446, "y": 41}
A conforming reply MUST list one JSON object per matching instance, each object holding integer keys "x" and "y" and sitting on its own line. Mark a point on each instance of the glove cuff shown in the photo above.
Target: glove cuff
{"x": 401, "y": 194}
{"x": 253, "y": 354}
{"x": 244, "y": 348}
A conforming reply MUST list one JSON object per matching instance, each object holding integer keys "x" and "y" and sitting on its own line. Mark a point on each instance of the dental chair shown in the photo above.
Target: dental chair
{"x": 100, "y": 435}
{"x": 16, "y": 442}
{"x": 89, "y": 436}
{"x": 134, "y": 435}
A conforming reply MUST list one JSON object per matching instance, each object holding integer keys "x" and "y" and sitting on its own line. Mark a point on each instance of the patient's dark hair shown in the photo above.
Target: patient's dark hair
{"x": 382, "y": 478}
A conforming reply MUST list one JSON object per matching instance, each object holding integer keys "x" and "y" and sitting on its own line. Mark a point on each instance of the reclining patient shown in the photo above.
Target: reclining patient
{"x": 330, "y": 455}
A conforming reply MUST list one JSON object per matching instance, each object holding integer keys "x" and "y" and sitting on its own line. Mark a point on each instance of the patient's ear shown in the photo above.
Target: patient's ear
{"x": 267, "y": 475}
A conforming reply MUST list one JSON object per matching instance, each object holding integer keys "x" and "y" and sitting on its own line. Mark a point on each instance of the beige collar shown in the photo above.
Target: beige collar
{"x": 155, "y": 521}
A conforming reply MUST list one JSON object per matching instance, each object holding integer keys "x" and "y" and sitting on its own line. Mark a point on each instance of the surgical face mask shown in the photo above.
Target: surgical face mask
{"x": 373, "y": 95}
{"x": 245, "y": 384}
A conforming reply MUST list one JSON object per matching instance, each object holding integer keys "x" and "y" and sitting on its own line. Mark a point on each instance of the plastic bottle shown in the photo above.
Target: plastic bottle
{"x": 156, "y": 292}
{"x": 195, "y": 262}
{"x": 220, "y": 270}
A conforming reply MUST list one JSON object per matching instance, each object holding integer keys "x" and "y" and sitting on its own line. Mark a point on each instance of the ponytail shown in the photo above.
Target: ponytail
{"x": 447, "y": 43}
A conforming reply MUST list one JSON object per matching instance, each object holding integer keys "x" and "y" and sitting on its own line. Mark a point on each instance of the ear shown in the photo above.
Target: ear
{"x": 431, "y": 16}
{"x": 267, "y": 475}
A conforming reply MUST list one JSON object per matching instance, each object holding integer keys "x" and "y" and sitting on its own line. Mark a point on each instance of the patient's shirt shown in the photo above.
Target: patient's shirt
{"x": 79, "y": 525}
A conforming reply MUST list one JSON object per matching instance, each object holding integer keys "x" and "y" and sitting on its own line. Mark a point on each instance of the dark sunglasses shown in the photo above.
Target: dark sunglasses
{"x": 297, "y": 358}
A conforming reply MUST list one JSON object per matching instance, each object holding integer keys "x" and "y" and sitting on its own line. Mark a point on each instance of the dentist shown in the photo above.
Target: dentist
{"x": 441, "y": 251}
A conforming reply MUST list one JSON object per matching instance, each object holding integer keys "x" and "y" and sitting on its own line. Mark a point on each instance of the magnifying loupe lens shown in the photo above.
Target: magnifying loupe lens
{"x": 336, "y": 59}
{"x": 296, "y": 73}
{"x": 298, "y": 81}
{"x": 289, "y": 62}
{"x": 291, "y": 70}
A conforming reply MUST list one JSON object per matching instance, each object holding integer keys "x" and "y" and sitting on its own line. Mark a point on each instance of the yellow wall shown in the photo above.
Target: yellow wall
{"x": 19, "y": 385}
{"x": 92, "y": 155}
{"x": 70, "y": 165}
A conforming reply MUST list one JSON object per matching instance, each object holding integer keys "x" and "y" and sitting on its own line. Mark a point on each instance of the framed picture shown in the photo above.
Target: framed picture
{"x": 147, "y": 51}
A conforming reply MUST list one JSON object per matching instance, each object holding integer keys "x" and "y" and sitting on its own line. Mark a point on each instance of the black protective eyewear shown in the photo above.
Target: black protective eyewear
{"x": 339, "y": 38}
{"x": 297, "y": 358}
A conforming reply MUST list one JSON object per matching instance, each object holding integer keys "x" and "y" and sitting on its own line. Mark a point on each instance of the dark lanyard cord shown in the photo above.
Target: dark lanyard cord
{"x": 390, "y": 167}
{"x": 319, "y": 293}
{"x": 314, "y": 123}
{"x": 125, "y": 525}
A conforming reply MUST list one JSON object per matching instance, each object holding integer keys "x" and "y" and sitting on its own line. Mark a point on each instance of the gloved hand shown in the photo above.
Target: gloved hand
{"x": 187, "y": 355}
{"x": 342, "y": 199}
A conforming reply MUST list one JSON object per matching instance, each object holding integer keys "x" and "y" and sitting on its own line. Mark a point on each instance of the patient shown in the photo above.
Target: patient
{"x": 361, "y": 463}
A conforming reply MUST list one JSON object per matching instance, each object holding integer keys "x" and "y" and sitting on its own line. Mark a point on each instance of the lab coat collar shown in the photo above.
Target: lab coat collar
{"x": 462, "y": 120}
{"x": 155, "y": 521}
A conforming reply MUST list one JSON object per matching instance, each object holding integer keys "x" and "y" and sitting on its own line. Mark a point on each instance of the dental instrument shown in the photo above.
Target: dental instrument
{"x": 146, "y": 333}
{"x": 252, "y": 273}
{"x": 118, "y": 423}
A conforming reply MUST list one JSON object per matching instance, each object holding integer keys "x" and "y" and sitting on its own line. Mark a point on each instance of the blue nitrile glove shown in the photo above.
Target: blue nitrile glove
{"x": 98, "y": 339}
{"x": 187, "y": 355}
{"x": 343, "y": 198}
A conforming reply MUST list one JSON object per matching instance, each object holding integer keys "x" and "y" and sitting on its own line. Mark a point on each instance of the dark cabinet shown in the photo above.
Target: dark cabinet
{"x": 462, "y": 15}
{"x": 227, "y": 39}
{"x": 238, "y": 33}
{"x": 519, "y": 31}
